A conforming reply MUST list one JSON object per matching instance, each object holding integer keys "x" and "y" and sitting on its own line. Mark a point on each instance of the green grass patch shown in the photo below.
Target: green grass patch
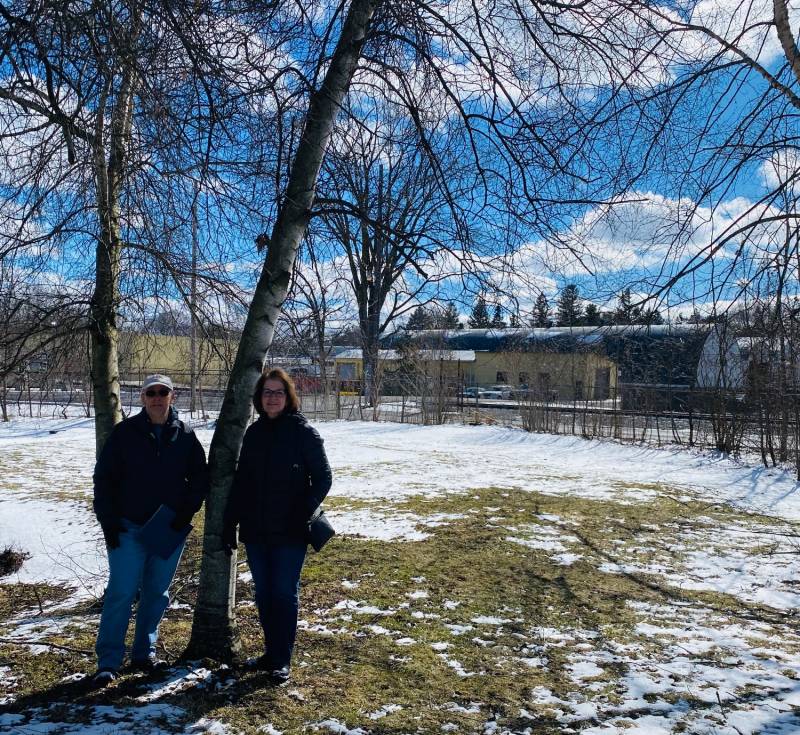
{"x": 16, "y": 598}
{"x": 457, "y": 628}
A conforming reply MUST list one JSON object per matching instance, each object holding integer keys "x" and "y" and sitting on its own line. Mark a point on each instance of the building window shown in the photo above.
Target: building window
{"x": 502, "y": 377}
{"x": 544, "y": 382}
{"x": 578, "y": 390}
{"x": 602, "y": 384}
{"x": 524, "y": 378}
{"x": 346, "y": 371}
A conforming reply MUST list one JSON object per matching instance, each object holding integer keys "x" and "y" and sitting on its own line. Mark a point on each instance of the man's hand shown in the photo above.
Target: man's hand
{"x": 111, "y": 532}
{"x": 182, "y": 519}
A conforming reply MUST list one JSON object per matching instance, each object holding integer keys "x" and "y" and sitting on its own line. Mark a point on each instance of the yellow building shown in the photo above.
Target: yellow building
{"x": 144, "y": 354}
{"x": 555, "y": 375}
{"x": 555, "y": 364}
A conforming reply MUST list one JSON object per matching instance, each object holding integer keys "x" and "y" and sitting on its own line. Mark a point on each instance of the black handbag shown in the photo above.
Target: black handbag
{"x": 320, "y": 530}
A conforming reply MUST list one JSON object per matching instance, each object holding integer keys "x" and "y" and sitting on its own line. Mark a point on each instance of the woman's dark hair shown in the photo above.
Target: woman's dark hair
{"x": 292, "y": 401}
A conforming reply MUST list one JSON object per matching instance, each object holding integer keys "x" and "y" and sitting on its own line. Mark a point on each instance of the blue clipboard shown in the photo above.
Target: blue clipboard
{"x": 158, "y": 537}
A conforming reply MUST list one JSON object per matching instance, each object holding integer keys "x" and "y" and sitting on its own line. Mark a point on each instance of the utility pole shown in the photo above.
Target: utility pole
{"x": 193, "y": 309}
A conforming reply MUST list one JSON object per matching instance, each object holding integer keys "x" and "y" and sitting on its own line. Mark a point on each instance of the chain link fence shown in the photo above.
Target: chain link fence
{"x": 757, "y": 421}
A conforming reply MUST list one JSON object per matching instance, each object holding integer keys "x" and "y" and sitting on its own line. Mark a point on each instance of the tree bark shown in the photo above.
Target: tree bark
{"x": 214, "y": 632}
{"x": 109, "y": 176}
{"x": 786, "y": 36}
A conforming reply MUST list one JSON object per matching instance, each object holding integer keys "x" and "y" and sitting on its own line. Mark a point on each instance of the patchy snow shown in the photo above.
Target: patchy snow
{"x": 338, "y": 728}
{"x": 686, "y": 667}
{"x": 48, "y": 476}
{"x": 759, "y": 566}
{"x": 179, "y": 680}
{"x": 361, "y": 608}
{"x": 456, "y": 666}
{"x": 150, "y": 719}
{"x": 387, "y": 709}
{"x": 546, "y": 538}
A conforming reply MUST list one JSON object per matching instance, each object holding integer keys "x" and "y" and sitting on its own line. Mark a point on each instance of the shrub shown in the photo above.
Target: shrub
{"x": 11, "y": 560}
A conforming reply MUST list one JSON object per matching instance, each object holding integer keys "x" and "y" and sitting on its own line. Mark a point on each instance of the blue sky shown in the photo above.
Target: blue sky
{"x": 635, "y": 236}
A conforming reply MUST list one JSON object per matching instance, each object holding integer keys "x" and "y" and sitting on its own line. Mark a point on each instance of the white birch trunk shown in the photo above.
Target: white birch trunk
{"x": 213, "y": 629}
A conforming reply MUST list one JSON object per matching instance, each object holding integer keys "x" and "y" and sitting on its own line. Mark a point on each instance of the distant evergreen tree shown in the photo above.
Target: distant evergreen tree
{"x": 592, "y": 316}
{"x": 449, "y": 318}
{"x": 653, "y": 316}
{"x": 513, "y": 320}
{"x": 541, "y": 312}
{"x": 622, "y": 314}
{"x": 569, "y": 307}
{"x": 626, "y": 312}
{"x": 479, "y": 318}
{"x": 419, "y": 319}
{"x": 497, "y": 318}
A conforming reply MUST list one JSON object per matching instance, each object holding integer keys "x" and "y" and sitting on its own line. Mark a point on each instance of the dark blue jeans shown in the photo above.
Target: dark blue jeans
{"x": 133, "y": 569}
{"x": 276, "y": 576}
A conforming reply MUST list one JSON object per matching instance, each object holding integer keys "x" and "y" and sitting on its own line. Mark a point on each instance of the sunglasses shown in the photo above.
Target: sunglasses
{"x": 152, "y": 393}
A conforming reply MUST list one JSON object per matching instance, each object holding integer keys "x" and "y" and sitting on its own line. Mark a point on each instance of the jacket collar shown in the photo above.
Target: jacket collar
{"x": 146, "y": 424}
{"x": 284, "y": 418}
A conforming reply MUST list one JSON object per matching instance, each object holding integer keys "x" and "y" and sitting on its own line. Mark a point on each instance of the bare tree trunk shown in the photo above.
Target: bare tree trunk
{"x": 370, "y": 354}
{"x": 4, "y": 398}
{"x": 322, "y": 354}
{"x": 105, "y": 300}
{"x": 193, "y": 307}
{"x": 214, "y": 628}
{"x": 786, "y": 36}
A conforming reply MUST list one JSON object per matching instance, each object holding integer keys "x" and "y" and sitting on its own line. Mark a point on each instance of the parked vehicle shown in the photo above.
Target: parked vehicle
{"x": 489, "y": 393}
{"x": 496, "y": 392}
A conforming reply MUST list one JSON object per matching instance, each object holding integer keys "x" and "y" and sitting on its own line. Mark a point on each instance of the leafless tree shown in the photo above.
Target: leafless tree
{"x": 318, "y": 309}
{"x": 381, "y": 203}
{"x": 40, "y": 324}
{"x": 119, "y": 122}
{"x": 536, "y": 97}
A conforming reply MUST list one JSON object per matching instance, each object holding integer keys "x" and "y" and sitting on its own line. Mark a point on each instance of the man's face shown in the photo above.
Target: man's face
{"x": 156, "y": 401}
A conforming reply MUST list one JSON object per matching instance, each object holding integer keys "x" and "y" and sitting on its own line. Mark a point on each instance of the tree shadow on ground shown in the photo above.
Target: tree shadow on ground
{"x": 174, "y": 697}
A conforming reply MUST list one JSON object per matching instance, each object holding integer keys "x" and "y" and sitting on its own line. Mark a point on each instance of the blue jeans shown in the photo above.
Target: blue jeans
{"x": 276, "y": 576}
{"x": 133, "y": 570}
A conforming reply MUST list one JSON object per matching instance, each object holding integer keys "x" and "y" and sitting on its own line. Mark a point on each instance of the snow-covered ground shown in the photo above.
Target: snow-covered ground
{"x": 45, "y": 494}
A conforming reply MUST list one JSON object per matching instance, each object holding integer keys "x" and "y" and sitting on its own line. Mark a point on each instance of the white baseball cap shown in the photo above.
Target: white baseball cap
{"x": 156, "y": 379}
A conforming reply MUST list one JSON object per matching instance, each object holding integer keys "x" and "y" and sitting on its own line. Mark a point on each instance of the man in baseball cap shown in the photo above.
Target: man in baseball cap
{"x": 150, "y": 462}
{"x": 157, "y": 379}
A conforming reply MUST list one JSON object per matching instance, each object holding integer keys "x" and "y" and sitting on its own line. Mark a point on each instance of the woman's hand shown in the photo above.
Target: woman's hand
{"x": 229, "y": 542}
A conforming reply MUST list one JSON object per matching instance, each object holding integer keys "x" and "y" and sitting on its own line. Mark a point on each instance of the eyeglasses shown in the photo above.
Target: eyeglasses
{"x": 280, "y": 393}
{"x": 163, "y": 392}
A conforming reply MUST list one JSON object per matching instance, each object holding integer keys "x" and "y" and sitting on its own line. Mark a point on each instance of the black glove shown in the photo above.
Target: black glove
{"x": 182, "y": 519}
{"x": 229, "y": 542}
{"x": 111, "y": 532}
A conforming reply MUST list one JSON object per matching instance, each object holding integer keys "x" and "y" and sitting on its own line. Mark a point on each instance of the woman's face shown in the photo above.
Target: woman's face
{"x": 273, "y": 398}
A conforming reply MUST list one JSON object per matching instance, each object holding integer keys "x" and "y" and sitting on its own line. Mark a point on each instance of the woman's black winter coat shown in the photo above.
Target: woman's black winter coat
{"x": 282, "y": 476}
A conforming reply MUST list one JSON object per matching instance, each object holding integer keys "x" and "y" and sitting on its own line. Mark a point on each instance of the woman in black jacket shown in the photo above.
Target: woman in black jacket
{"x": 282, "y": 476}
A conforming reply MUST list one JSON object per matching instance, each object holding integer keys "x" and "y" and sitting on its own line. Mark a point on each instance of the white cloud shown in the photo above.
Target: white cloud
{"x": 781, "y": 170}
{"x": 648, "y": 232}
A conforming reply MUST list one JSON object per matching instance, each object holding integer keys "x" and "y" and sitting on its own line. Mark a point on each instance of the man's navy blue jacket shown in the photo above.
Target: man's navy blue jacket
{"x": 136, "y": 472}
{"x": 282, "y": 476}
